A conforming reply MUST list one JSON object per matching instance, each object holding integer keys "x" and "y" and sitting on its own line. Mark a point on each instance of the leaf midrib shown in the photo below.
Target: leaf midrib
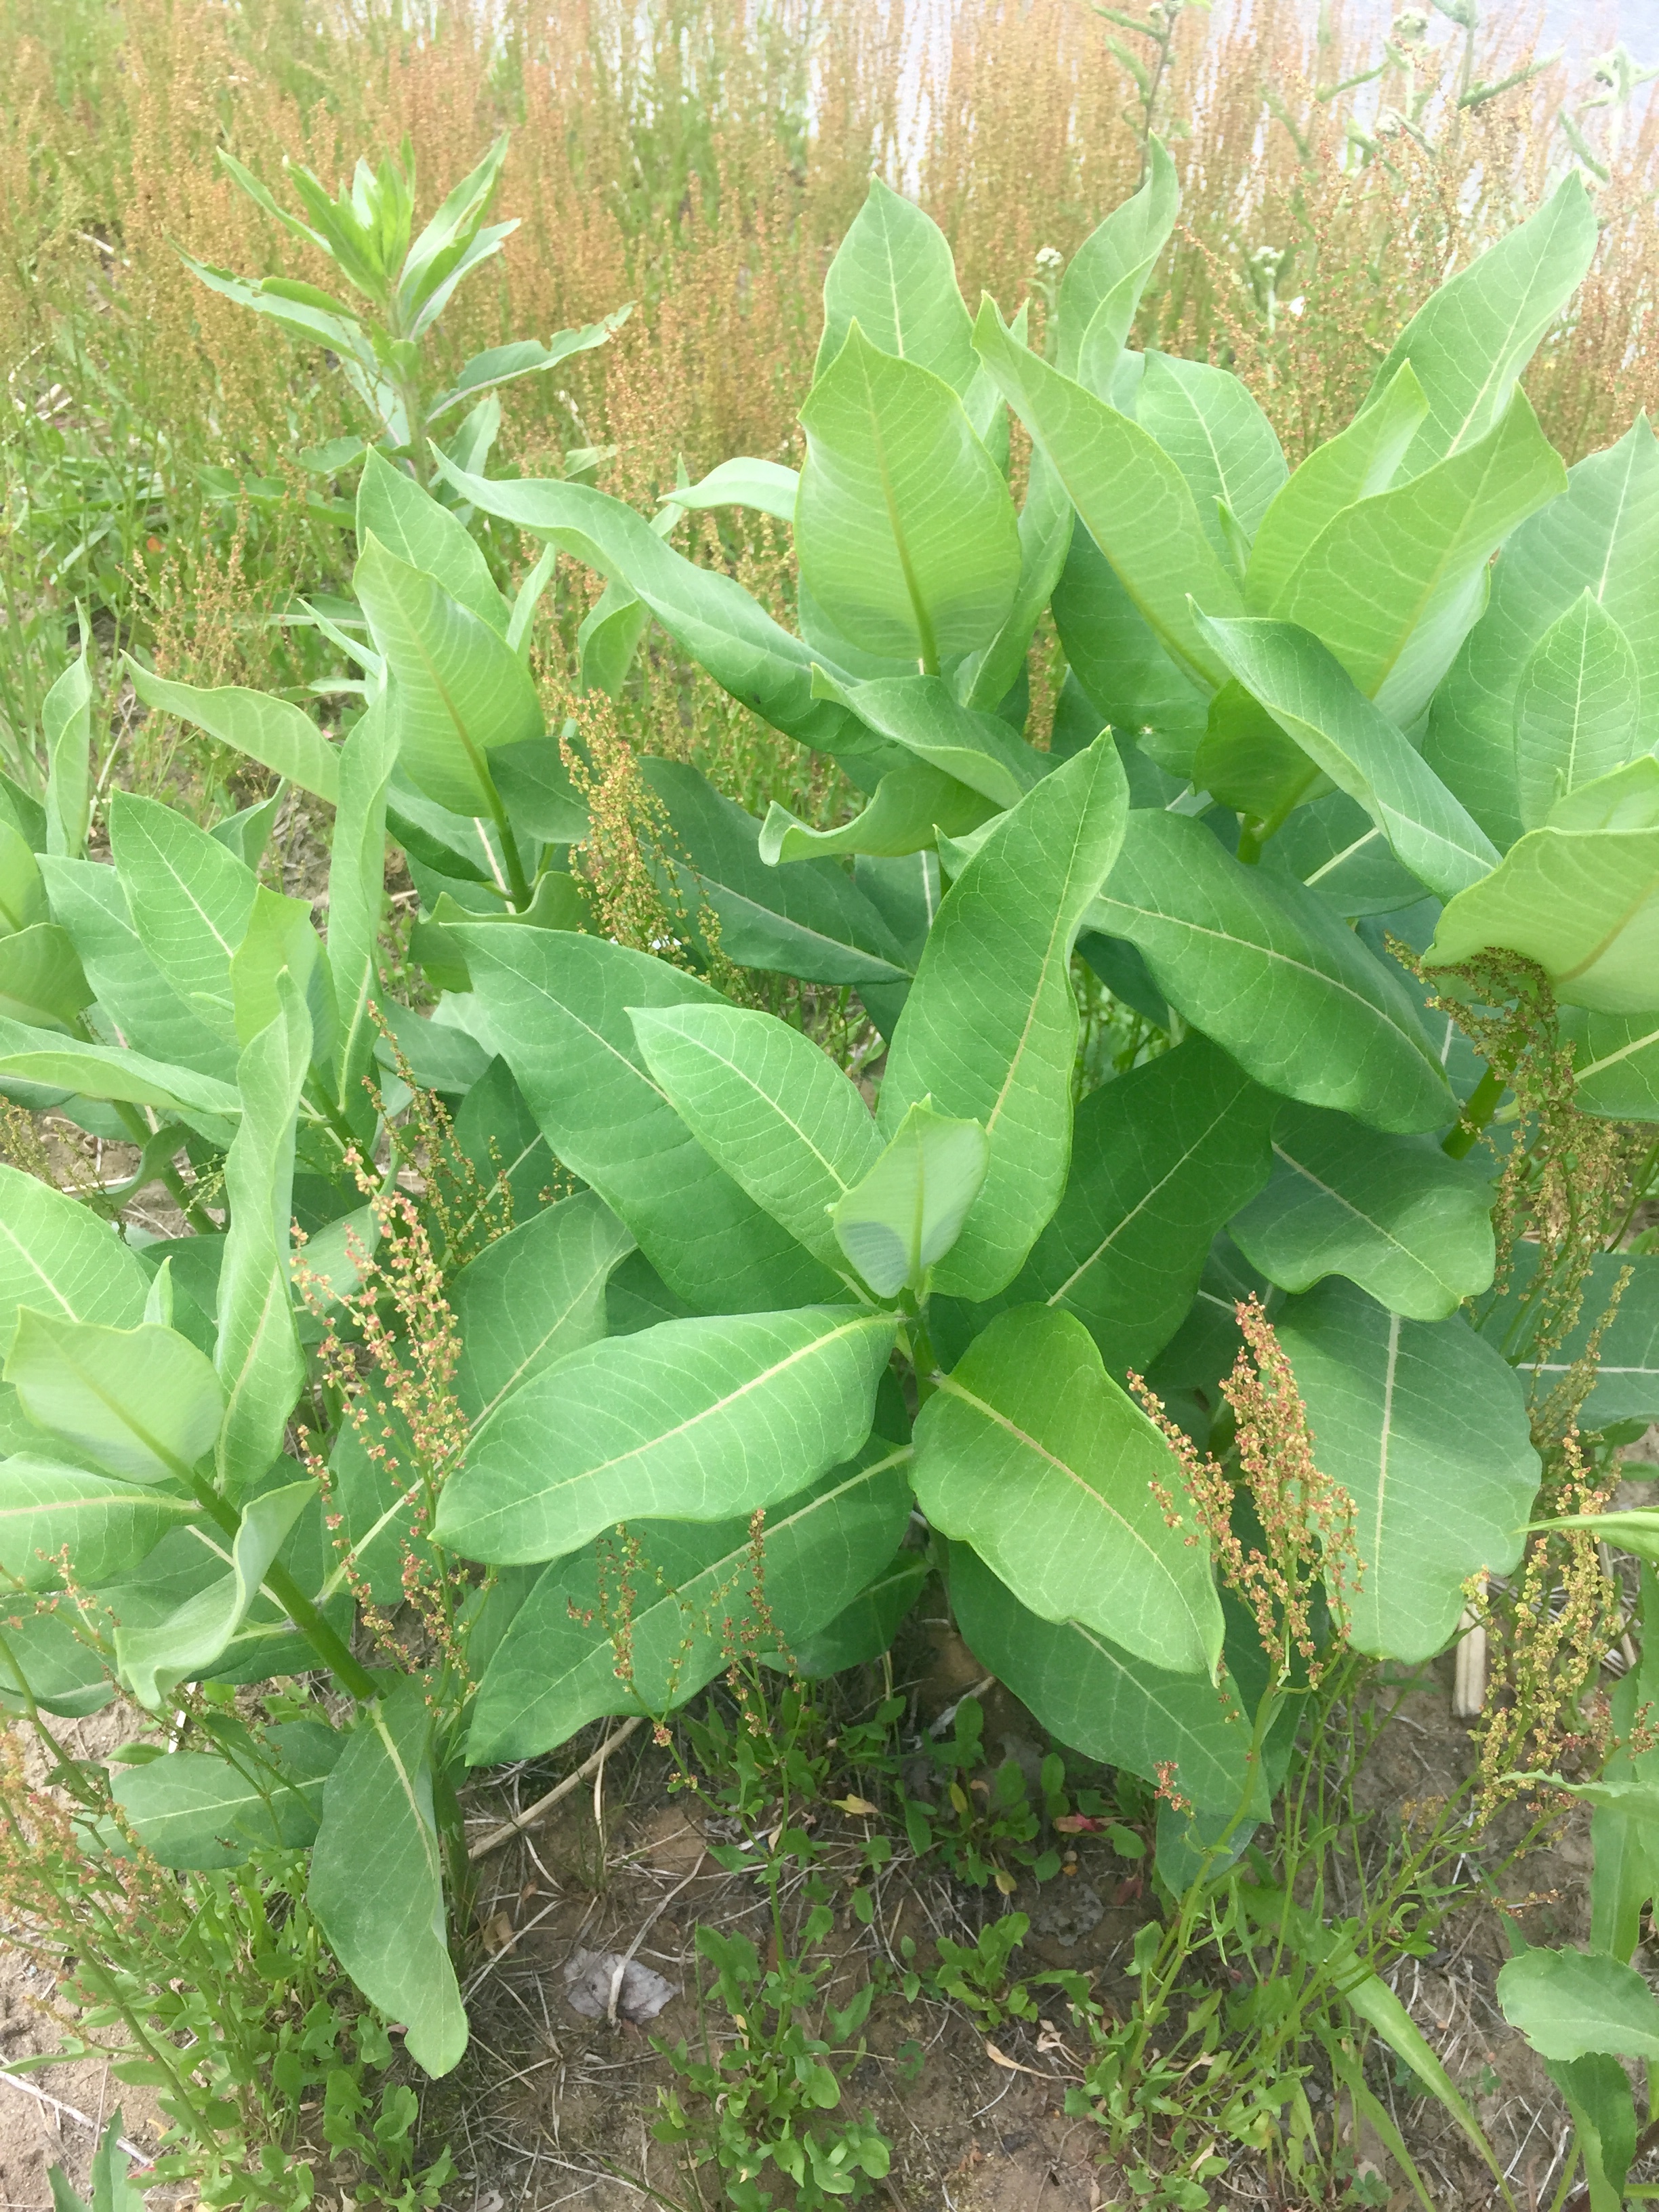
{"x": 949, "y": 1387}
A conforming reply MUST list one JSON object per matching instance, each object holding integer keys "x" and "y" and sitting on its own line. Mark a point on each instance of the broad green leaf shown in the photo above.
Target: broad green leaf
{"x": 1355, "y": 464}
{"x": 1219, "y": 438}
{"x": 456, "y": 689}
{"x": 1568, "y": 2003}
{"x": 989, "y": 1029}
{"x": 808, "y": 920}
{"x": 153, "y": 1660}
{"x": 276, "y": 733}
{"x": 195, "y": 1810}
{"x": 61, "y": 1260}
{"x": 707, "y": 613}
{"x": 499, "y": 365}
{"x": 1469, "y": 340}
{"x": 1393, "y": 1214}
{"x": 1314, "y": 700}
{"x": 25, "y": 814}
{"x": 557, "y": 1008}
{"x": 376, "y": 1883}
{"x": 1395, "y": 583}
{"x": 766, "y": 486}
{"x": 691, "y": 1421}
{"x": 909, "y": 808}
{"x": 921, "y": 713}
{"x": 258, "y": 1356}
{"x": 42, "y": 983}
{"x": 1094, "y": 1695}
{"x": 556, "y": 1668}
{"x": 450, "y": 845}
{"x": 1426, "y": 1427}
{"x": 1265, "y": 967}
{"x": 1133, "y": 500}
{"x": 1597, "y": 2092}
{"x": 1583, "y": 904}
{"x": 44, "y": 1663}
{"x": 280, "y": 939}
{"x": 422, "y": 534}
{"x": 1577, "y": 710}
{"x": 496, "y": 1130}
{"x": 532, "y": 1296}
{"x": 1247, "y": 762}
{"x": 986, "y": 677}
{"x": 1160, "y": 1159}
{"x": 304, "y": 318}
{"x": 47, "y": 1509}
{"x": 188, "y": 899}
{"x": 1105, "y": 278}
{"x": 22, "y": 893}
{"x": 1123, "y": 671}
{"x": 1029, "y": 1452}
{"x": 1333, "y": 846}
{"x": 769, "y": 1107}
{"x": 96, "y": 1071}
{"x": 66, "y": 722}
{"x": 87, "y": 899}
{"x": 1602, "y": 536}
{"x": 904, "y": 530}
{"x": 141, "y": 1403}
{"x": 909, "y": 1209}
{"x": 610, "y": 636}
{"x": 559, "y": 902}
{"x": 357, "y": 899}
{"x": 907, "y": 889}
{"x": 536, "y": 789}
{"x": 438, "y": 1052}
{"x": 1627, "y": 798}
{"x": 866, "y": 1627}
{"x": 893, "y": 274}
{"x": 1625, "y": 1323}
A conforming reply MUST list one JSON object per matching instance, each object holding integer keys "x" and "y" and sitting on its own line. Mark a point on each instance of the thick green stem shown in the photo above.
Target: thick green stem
{"x": 328, "y": 1647}
{"x": 1481, "y": 1106}
{"x": 519, "y": 889}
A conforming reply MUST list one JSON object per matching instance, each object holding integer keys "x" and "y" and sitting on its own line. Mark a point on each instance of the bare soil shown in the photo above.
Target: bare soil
{"x": 552, "y": 2108}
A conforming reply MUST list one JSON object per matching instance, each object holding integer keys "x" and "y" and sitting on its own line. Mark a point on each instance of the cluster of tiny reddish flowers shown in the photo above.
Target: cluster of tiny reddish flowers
{"x": 746, "y": 1636}
{"x": 1307, "y": 1520}
{"x": 1165, "y": 1771}
{"x": 59, "y": 1893}
{"x": 389, "y": 1349}
{"x": 1545, "y": 1643}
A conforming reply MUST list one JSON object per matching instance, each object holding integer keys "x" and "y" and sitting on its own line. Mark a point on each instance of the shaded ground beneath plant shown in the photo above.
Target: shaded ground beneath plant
{"x": 551, "y": 2107}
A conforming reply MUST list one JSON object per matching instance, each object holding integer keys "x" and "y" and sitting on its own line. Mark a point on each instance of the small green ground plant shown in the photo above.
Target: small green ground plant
{"x": 619, "y": 1325}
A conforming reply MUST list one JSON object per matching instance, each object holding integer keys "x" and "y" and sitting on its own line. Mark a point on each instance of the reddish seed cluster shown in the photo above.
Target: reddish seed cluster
{"x": 1546, "y": 1644}
{"x": 1166, "y": 1770}
{"x": 389, "y": 1352}
{"x": 1306, "y": 1520}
